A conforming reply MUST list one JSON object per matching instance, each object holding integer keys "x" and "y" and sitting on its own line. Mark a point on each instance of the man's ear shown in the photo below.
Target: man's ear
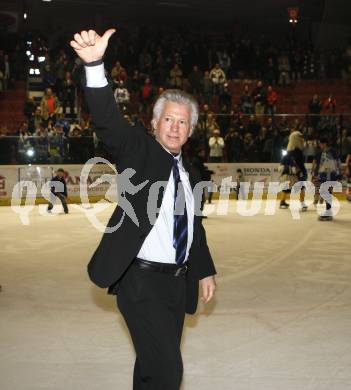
{"x": 154, "y": 126}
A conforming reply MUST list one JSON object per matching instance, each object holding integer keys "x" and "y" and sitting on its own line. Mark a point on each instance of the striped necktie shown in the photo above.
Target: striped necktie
{"x": 180, "y": 221}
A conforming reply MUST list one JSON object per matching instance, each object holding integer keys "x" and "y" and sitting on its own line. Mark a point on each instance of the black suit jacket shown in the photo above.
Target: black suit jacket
{"x": 133, "y": 148}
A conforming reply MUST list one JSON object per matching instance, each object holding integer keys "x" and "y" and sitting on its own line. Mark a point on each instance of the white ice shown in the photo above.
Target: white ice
{"x": 281, "y": 319}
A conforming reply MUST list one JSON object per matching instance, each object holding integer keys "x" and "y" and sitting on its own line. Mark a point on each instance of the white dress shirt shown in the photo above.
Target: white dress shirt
{"x": 158, "y": 244}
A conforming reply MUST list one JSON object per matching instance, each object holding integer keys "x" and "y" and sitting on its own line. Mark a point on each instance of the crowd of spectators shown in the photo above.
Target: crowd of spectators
{"x": 54, "y": 142}
{"x": 219, "y": 138}
{"x": 140, "y": 65}
{"x": 243, "y": 138}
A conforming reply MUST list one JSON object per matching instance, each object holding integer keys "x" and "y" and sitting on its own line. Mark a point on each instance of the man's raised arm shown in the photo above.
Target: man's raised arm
{"x": 109, "y": 123}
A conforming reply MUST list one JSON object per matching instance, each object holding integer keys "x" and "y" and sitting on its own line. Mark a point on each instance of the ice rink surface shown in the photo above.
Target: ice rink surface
{"x": 281, "y": 319}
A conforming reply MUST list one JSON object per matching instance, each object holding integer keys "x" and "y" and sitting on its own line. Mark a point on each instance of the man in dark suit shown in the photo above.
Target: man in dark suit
{"x": 155, "y": 265}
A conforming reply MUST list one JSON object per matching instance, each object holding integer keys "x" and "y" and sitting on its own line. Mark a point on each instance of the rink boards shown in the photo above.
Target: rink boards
{"x": 85, "y": 183}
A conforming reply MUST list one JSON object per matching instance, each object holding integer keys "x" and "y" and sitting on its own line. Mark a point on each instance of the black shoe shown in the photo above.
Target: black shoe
{"x": 325, "y": 218}
{"x": 283, "y": 205}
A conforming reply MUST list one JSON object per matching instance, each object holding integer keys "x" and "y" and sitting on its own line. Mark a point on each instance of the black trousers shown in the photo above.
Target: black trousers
{"x": 62, "y": 199}
{"x": 153, "y": 306}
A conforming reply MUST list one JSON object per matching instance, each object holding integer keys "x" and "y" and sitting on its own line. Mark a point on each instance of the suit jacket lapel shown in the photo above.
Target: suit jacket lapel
{"x": 189, "y": 169}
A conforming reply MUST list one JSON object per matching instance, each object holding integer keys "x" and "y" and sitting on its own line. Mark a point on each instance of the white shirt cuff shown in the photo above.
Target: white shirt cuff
{"x": 96, "y": 76}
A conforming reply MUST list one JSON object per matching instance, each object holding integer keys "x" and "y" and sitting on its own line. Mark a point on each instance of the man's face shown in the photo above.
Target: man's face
{"x": 173, "y": 127}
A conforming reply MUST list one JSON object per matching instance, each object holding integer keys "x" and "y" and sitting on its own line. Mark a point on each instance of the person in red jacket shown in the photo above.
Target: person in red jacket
{"x": 272, "y": 98}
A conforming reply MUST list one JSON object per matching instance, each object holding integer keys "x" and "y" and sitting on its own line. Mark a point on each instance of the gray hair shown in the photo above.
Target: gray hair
{"x": 180, "y": 97}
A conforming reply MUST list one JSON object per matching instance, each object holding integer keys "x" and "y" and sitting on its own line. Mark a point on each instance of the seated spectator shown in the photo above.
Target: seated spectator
{"x": 176, "y": 77}
{"x": 259, "y": 98}
{"x": 246, "y": 102}
{"x": 315, "y": 107}
{"x": 224, "y": 61}
{"x": 344, "y": 144}
{"x": 205, "y": 125}
{"x": 37, "y": 119}
{"x": 284, "y": 70}
{"x": 195, "y": 80}
{"x": 122, "y": 96}
{"x": 5, "y": 140}
{"x": 207, "y": 87}
{"x": 57, "y": 140}
{"x": 233, "y": 145}
{"x": 210, "y": 124}
{"x": 118, "y": 72}
{"x": 24, "y": 144}
{"x": 48, "y": 76}
{"x": 223, "y": 119}
{"x": 61, "y": 67}
{"x": 225, "y": 97}
{"x": 272, "y": 98}
{"x": 24, "y": 129}
{"x": 249, "y": 148}
{"x": 218, "y": 79}
{"x": 135, "y": 82}
{"x": 41, "y": 144}
{"x": 268, "y": 149}
{"x": 68, "y": 94}
{"x": 62, "y": 121}
{"x": 216, "y": 145}
{"x": 262, "y": 145}
{"x": 330, "y": 104}
{"x": 270, "y": 71}
{"x": 146, "y": 96}
{"x": 253, "y": 126}
{"x": 311, "y": 146}
{"x": 4, "y": 71}
{"x": 49, "y": 105}
{"x": 74, "y": 126}
{"x": 75, "y": 146}
{"x": 271, "y": 125}
{"x": 145, "y": 62}
{"x": 29, "y": 110}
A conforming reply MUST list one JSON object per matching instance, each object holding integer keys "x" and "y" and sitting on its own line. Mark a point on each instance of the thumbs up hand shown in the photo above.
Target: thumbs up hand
{"x": 90, "y": 46}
